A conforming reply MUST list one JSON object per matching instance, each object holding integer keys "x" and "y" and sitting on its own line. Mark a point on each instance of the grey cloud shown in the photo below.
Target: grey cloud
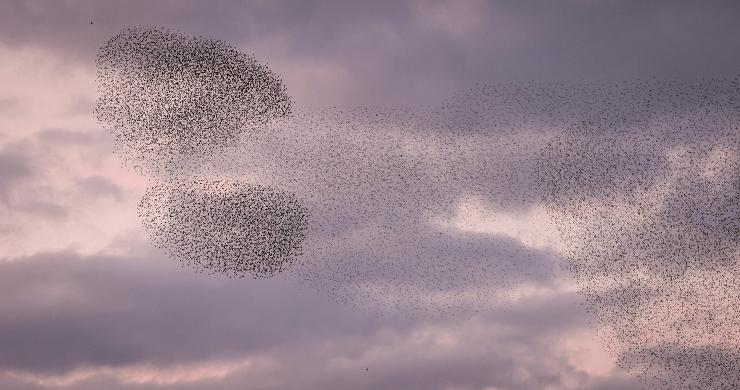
{"x": 29, "y": 191}
{"x": 550, "y": 315}
{"x": 42, "y": 208}
{"x": 62, "y": 310}
{"x": 15, "y": 166}
{"x": 100, "y": 186}
{"x": 396, "y": 52}
{"x": 80, "y": 105}
{"x": 56, "y": 137}
{"x": 17, "y": 169}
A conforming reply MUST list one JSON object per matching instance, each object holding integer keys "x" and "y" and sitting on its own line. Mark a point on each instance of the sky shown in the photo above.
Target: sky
{"x": 87, "y": 302}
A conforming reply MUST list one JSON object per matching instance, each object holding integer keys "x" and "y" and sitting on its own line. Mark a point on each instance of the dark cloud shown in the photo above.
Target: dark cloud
{"x": 401, "y": 52}
{"x": 63, "y": 311}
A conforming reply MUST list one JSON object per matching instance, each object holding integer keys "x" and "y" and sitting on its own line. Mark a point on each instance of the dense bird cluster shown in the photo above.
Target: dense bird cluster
{"x": 231, "y": 228}
{"x": 173, "y": 102}
{"x": 449, "y": 207}
{"x": 169, "y": 99}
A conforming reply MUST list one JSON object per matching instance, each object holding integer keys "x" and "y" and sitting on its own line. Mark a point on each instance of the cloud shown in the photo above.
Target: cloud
{"x": 9, "y": 104}
{"x": 15, "y": 167}
{"x": 401, "y": 52}
{"x": 141, "y": 322}
{"x": 61, "y": 188}
{"x": 100, "y": 186}
{"x": 107, "y": 310}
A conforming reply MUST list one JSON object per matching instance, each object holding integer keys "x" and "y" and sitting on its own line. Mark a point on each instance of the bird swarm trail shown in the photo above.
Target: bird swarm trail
{"x": 639, "y": 180}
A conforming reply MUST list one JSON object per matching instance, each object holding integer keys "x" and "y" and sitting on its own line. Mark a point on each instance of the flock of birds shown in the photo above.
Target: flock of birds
{"x": 640, "y": 180}
{"x": 171, "y": 100}
{"x": 226, "y": 227}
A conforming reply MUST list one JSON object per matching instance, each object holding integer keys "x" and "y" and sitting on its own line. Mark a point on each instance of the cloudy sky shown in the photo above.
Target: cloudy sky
{"x": 86, "y": 302}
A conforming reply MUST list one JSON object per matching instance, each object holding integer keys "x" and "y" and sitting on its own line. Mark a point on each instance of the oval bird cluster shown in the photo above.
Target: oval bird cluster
{"x": 169, "y": 99}
{"x": 231, "y": 228}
